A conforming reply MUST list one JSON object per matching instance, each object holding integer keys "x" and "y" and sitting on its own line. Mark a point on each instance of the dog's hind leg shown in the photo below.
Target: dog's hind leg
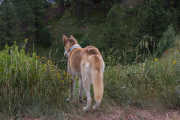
{"x": 86, "y": 86}
{"x": 80, "y": 90}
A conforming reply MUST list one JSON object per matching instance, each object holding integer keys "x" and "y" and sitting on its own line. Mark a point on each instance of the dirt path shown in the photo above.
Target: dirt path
{"x": 119, "y": 113}
{"x": 112, "y": 113}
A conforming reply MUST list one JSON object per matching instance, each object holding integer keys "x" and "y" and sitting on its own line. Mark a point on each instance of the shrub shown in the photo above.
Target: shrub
{"x": 116, "y": 35}
{"x": 166, "y": 41}
{"x": 45, "y": 38}
{"x": 26, "y": 79}
{"x": 144, "y": 83}
{"x": 133, "y": 32}
{"x": 9, "y": 24}
{"x": 154, "y": 20}
{"x": 177, "y": 5}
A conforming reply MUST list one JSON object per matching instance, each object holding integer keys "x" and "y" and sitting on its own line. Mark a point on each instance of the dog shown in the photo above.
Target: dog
{"x": 87, "y": 65}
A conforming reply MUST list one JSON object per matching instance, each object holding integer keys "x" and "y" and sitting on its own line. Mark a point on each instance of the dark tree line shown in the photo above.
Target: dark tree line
{"x": 20, "y": 19}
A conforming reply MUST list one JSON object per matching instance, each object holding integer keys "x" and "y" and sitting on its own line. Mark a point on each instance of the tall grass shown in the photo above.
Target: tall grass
{"x": 25, "y": 79}
{"x": 144, "y": 83}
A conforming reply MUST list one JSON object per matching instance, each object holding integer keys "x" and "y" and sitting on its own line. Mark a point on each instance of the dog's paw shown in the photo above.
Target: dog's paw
{"x": 71, "y": 100}
{"x": 86, "y": 108}
{"x": 80, "y": 100}
{"x": 68, "y": 99}
{"x": 95, "y": 106}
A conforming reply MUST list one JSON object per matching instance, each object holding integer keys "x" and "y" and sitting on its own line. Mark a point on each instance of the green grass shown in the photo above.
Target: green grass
{"x": 144, "y": 83}
{"x": 35, "y": 85}
{"x": 29, "y": 79}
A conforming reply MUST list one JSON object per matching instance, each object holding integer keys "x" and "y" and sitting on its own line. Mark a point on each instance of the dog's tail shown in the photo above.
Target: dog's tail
{"x": 92, "y": 50}
{"x": 97, "y": 79}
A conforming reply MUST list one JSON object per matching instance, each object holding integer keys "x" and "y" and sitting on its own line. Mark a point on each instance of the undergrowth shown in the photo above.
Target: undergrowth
{"x": 154, "y": 81}
{"x": 29, "y": 79}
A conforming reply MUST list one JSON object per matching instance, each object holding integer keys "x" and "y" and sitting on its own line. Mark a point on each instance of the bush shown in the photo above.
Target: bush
{"x": 142, "y": 84}
{"x": 166, "y": 41}
{"x": 24, "y": 19}
{"x": 133, "y": 32}
{"x": 115, "y": 36}
{"x": 9, "y": 24}
{"x": 154, "y": 20}
{"x": 45, "y": 38}
{"x": 177, "y": 4}
{"x": 121, "y": 27}
{"x": 26, "y": 79}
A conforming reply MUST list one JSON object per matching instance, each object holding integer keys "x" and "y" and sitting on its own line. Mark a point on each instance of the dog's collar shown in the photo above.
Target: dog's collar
{"x": 73, "y": 47}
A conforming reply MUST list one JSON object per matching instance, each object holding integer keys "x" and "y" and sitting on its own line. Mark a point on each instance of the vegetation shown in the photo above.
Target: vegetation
{"x": 138, "y": 39}
{"x": 143, "y": 84}
{"x": 26, "y": 79}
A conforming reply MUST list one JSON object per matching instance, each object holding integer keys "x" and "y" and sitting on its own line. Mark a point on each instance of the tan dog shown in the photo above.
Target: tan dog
{"x": 87, "y": 64}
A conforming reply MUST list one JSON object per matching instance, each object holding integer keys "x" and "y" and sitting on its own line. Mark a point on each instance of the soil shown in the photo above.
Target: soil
{"x": 130, "y": 113}
{"x": 107, "y": 111}
{"x": 117, "y": 113}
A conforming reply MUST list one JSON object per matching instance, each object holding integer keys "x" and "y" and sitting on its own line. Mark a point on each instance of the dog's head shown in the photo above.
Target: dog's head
{"x": 68, "y": 43}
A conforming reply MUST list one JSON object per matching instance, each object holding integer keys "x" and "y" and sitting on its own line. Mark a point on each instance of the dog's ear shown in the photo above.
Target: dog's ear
{"x": 64, "y": 38}
{"x": 72, "y": 37}
{"x": 73, "y": 40}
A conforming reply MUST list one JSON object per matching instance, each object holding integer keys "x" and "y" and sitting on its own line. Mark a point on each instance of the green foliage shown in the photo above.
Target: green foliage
{"x": 142, "y": 84}
{"x": 41, "y": 33}
{"x": 115, "y": 35}
{"x": 154, "y": 20}
{"x": 9, "y": 24}
{"x": 121, "y": 31}
{"x": 132, "y": 34}
{"x": 178, "y": 13}
{"x": 24, "y": 19}
{"x": 26, "y": 79}
{"x": 25, "y": 16}
{"x": 44, "y": 38}
{"x": 166, "y": 41}
{"x": 85, "y": 9}
{"x": 138, "y": 31}
{"x": 121, "y": 27}
{"x": 123, "y": 35}
{"x": 107, "y": 24}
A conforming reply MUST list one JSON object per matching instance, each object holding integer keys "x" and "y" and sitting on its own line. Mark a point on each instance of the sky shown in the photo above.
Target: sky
{"x": 1, "y": 1}
{"x": 50, "y": 1}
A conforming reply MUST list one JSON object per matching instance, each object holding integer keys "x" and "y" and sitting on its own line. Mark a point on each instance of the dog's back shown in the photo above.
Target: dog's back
{"x": 88, "y": 54}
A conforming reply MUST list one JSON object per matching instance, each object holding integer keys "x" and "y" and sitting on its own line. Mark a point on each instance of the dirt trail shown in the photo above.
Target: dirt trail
{"x": 118, "y": 113}
{"x": 113, "y": 113}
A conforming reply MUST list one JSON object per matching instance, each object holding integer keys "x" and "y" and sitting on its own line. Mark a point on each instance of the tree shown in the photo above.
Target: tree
{"x": 20, "y": 19}
{"x": 10, "y": 30}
